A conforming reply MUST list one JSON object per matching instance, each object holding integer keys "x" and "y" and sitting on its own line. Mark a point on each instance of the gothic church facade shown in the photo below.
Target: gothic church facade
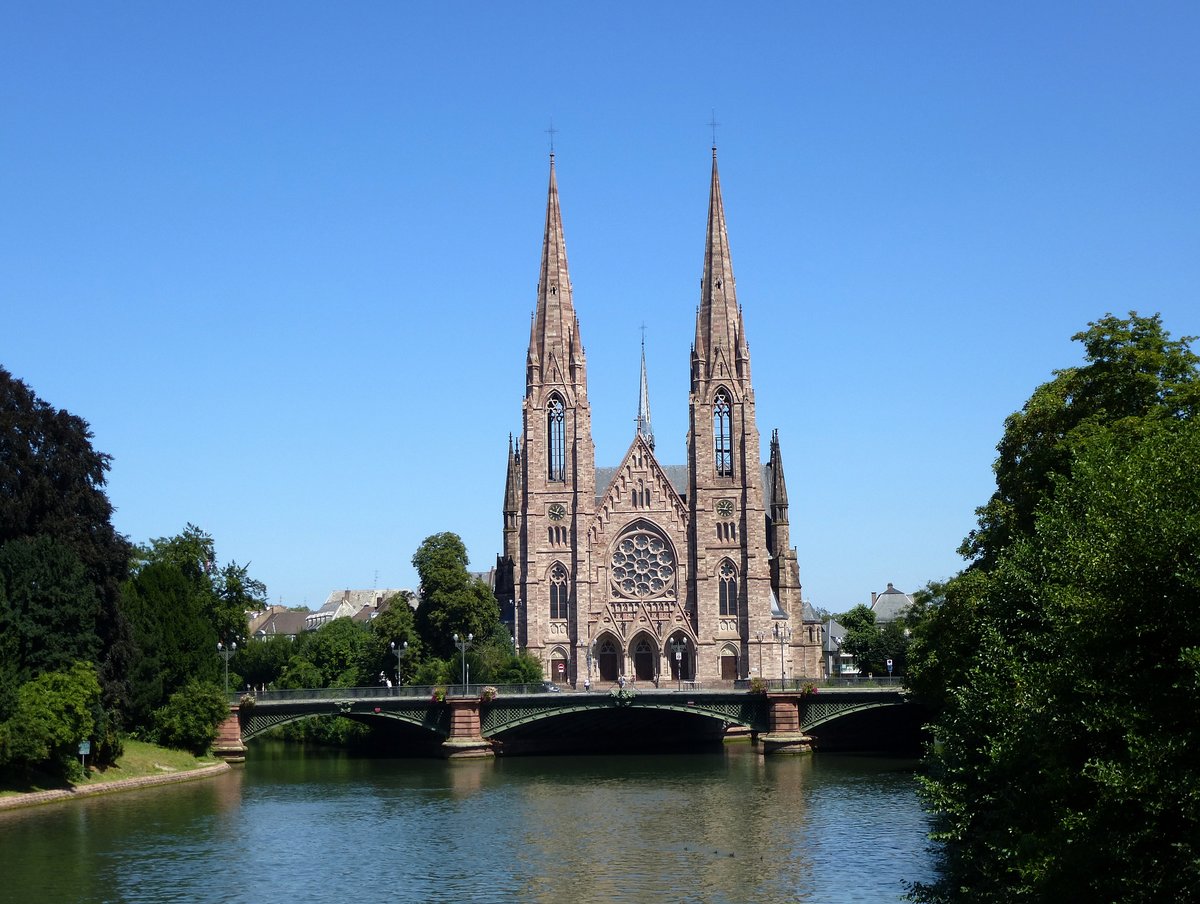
{"x": 645, "y": 571}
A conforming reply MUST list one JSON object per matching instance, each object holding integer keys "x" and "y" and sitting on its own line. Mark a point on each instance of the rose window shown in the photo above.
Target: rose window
{"x": 643, "y": 566}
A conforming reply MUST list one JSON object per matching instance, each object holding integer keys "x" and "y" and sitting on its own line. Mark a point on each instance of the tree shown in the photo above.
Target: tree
{"x": 48, "y": 612}
{"x": 52, "y": 484}
{"x": 236, "y": 593}
{"x": 174, "y": 641}
{"x": 54, "y": 712}
{"x": 262, "y": 661}
{"x": 452, "y": 600}
{"x": 1064, "y": 663}
{"x": 1077, "y": 722}
{"x": 339, "y": 651}
{"x": 191, "y": 717}
{"x": 1135, "y": 376}
{"x": 395, "y": 625}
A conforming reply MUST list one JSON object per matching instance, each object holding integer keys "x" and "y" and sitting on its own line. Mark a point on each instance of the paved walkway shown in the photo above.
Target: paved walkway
{"x": 124, "y": 784}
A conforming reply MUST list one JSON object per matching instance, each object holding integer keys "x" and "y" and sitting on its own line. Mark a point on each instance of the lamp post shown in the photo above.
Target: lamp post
{"x": 783, "y": 635}
{"x": 760, "y": 641}
{"x": 678, "y": 645}
{"x": 464, "y": 645}
{"x": 399, "y": 652}
{"x": 226, "y": 653}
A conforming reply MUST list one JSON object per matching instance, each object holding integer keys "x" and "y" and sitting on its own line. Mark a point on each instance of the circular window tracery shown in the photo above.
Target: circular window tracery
{"x": 643, "y": 566}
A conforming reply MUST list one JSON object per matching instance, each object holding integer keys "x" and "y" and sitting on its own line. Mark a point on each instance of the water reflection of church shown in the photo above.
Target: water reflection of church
{"x": 647, "y": 570}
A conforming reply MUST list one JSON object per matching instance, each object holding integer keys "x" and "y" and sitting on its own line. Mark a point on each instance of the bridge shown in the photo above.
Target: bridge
{"x": 467, "y": 721}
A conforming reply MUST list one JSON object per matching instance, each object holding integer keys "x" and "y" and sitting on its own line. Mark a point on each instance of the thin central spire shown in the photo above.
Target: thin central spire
{"x": 643, "y": 417}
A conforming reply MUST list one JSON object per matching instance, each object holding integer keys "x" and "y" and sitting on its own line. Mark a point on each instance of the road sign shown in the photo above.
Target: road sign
{"x": 562, "y": 667}
{"x": 889, "y": 667}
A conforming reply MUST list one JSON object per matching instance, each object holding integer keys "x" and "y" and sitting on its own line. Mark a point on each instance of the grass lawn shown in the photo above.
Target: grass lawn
{"x": 139, "y": 759}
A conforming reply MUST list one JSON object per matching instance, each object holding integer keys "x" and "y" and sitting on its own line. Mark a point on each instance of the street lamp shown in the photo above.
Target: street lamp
{"x": 399, "y": 652}
{"x": 225, "y": 654}
{"x": 760, "y": 641}
{"x": 678, "y": 645}
{"x": 783, "y": 635}
{"x": 464, "y": 645}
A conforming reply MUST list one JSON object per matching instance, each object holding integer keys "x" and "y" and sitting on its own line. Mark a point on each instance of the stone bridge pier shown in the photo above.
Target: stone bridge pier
{"x": 786, "y": 735}
{"x": 228, "y": 745}
{"x": 466, "y": 738}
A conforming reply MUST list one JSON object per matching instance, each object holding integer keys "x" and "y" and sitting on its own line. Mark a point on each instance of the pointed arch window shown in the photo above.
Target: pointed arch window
{"x": 722, "y": 435}
{"x": 556, "y": 439}
{"x": 558, "y": 592}
{"x": 727, "y": 576}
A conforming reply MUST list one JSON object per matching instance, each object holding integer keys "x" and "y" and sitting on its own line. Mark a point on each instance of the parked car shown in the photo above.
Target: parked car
{"x": 550, "y": 686}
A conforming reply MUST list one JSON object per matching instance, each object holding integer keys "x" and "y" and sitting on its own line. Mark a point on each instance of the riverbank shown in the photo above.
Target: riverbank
{"x": 142, "y": 766}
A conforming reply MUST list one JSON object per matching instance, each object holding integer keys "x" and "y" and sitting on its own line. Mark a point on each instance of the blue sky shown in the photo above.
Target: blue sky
{"x": 282, "y": 256}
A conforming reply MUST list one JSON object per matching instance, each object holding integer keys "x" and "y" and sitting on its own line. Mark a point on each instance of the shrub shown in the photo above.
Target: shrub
{"x": 189, "y": 720}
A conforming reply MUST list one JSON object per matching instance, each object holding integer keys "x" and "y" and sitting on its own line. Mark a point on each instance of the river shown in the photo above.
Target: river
{"x": 726, "y": 826}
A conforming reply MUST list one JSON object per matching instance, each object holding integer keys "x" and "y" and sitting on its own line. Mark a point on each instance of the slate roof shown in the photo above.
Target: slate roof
{"x": 288, "y": 623}
{"x": 890, "y": 605}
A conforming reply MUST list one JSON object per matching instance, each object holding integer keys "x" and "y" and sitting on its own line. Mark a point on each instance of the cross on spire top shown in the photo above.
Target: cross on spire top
{"x": 712, "y": 124}
{"x": 551, "y": 132}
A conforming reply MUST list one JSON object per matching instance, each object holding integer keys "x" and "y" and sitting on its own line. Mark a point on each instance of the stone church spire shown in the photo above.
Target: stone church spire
{"x": 720, "y": 349}
{"x": 555, "y": 349}
{"x": 556, "y": 465}
{"x": 643, "y": 416}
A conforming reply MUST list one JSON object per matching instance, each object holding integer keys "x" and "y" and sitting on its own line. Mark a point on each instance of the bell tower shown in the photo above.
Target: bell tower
{"x": 730, "y": 586}
{"x": 557, "y": 465}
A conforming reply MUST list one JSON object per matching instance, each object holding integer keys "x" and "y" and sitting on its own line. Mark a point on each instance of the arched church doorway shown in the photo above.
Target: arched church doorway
{"x": 644, "y": 657}
{"x": 608, "y": 659}
{"x": 729, "y": 662}
{"x": 681, "y": 656}
{"x": 558, "y": 665}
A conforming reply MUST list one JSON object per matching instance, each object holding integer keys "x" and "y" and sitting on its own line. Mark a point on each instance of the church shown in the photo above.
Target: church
{"x": 650, "y": 572}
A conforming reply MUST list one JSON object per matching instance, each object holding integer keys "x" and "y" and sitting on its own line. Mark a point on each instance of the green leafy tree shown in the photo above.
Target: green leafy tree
{"x": 1134, "y": 377}
{"x": 262, "y": 661}
{"x": 52, "y": 484}
{"x": 174, "y": 641}
{"x": 1063, "y": 664}
{"x": 340, "y": 653}
{"x": 54, "y": 712}
{"x": 191, "y": 717}
{"x": 452, "y": 600}
{"x": 299, "y": 673}
{"x": 236, "y": 593}
{"x": 49, "y": 609}
{"x": 225, "y": 593}
{"x": 861, "y": 637}
{"x": 1076, "y": 721}
{"x": 395, "y": 625}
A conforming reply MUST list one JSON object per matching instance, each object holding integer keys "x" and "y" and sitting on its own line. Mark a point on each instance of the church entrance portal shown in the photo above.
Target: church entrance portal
{"x": 644, "y": 657}
{"x": 608, "y": 660}
{"x": 729, "y": 663}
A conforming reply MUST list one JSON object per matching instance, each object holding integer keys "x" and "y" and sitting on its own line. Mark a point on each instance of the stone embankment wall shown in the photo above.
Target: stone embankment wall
{"x": 125, "y": 784}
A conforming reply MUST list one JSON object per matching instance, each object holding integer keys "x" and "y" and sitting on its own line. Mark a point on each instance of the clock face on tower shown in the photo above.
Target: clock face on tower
{"x": 725, "y": 508}
{"x": 557, "y": 511}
